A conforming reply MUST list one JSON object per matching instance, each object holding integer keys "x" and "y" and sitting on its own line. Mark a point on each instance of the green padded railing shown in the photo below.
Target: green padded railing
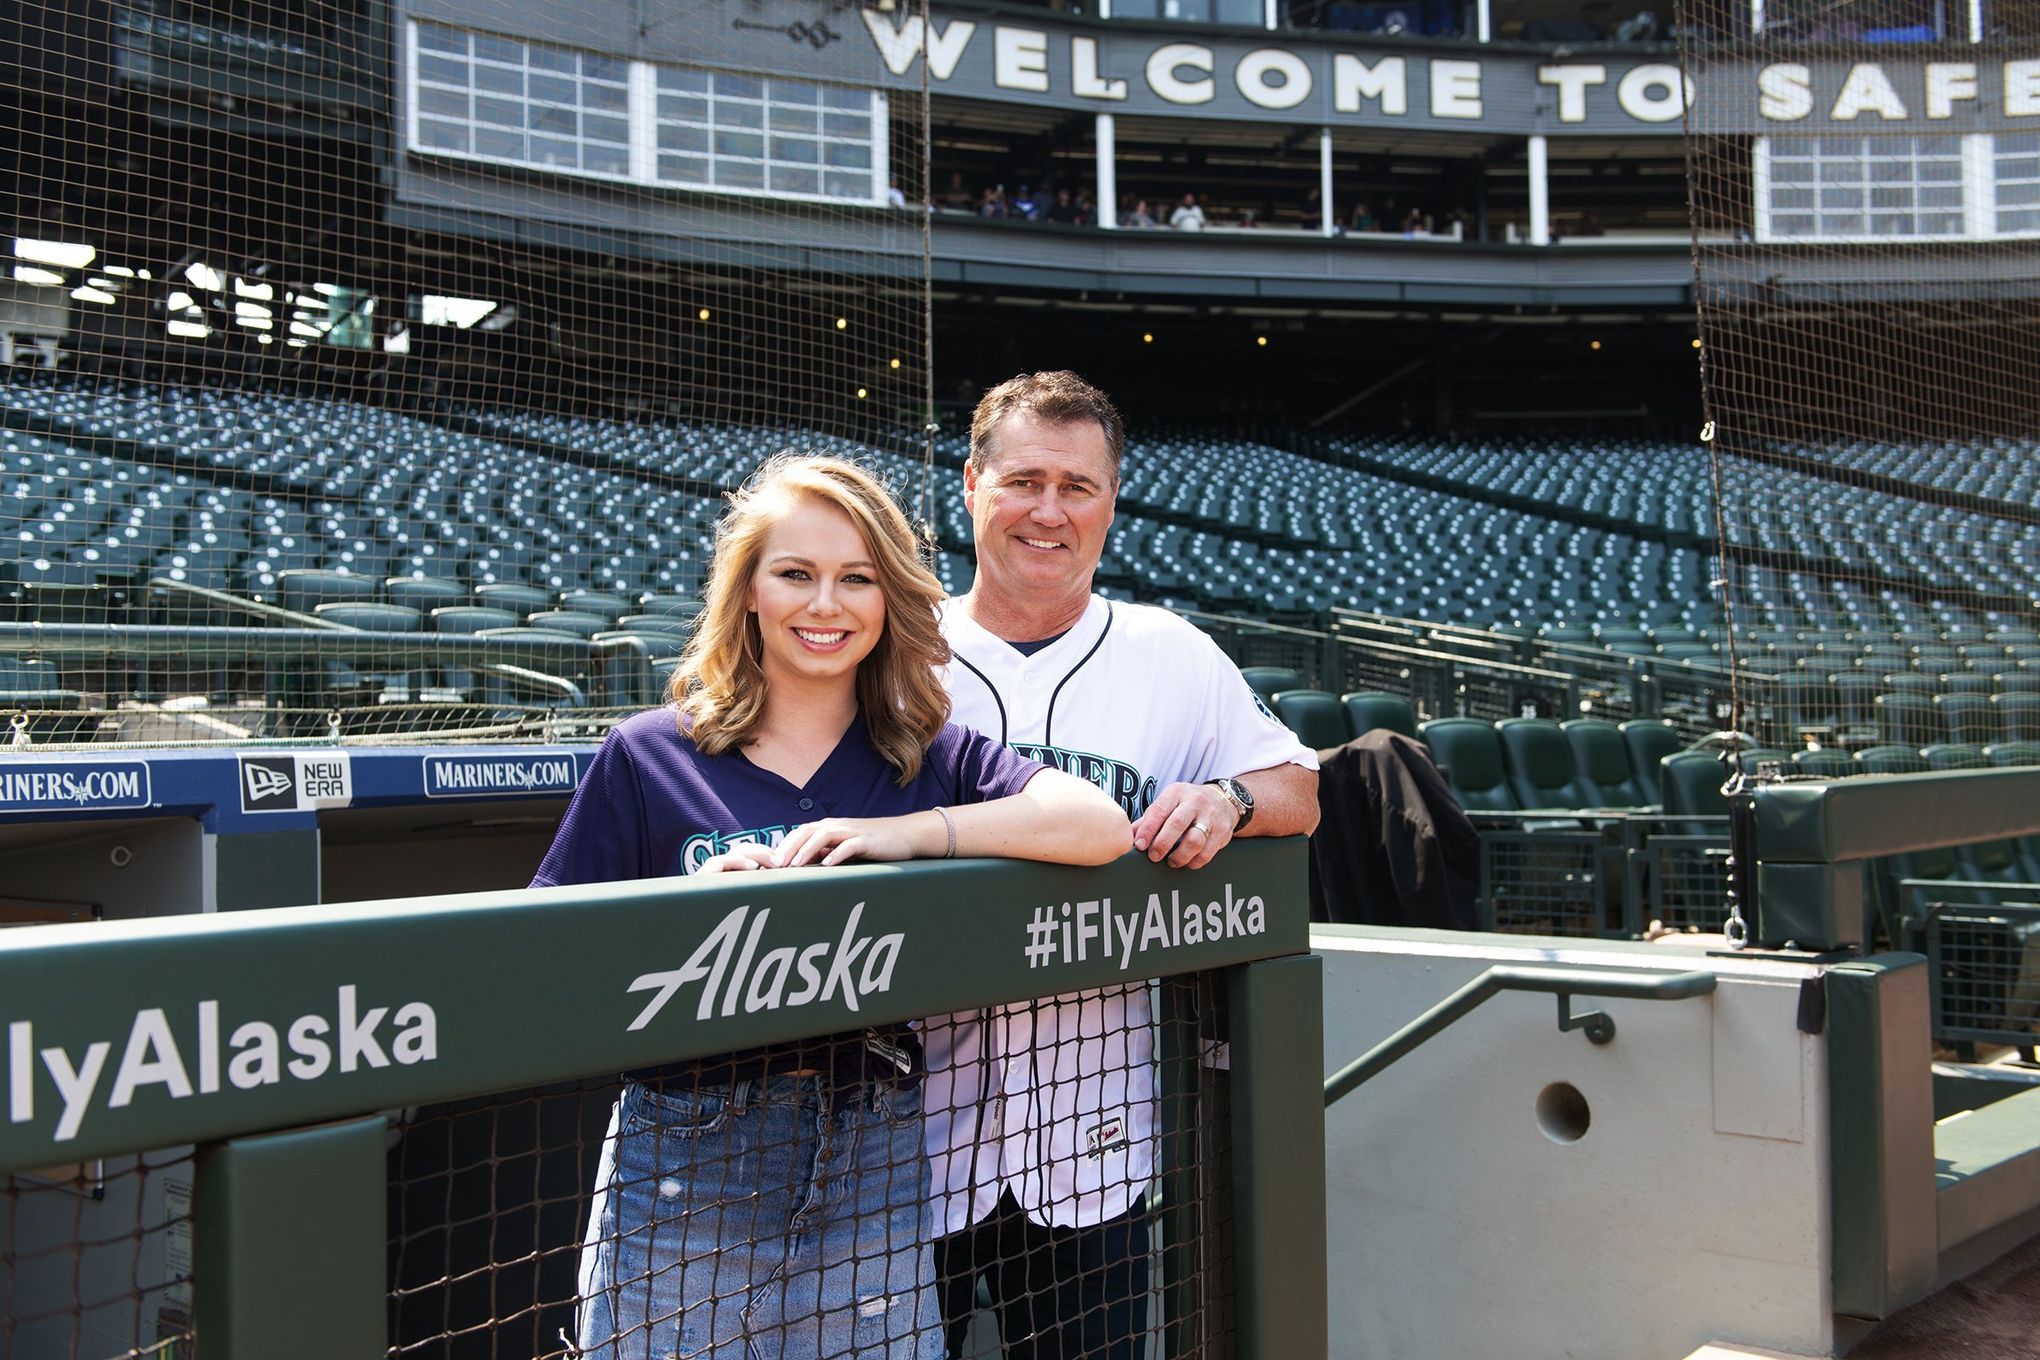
{"x": 123, "y": 1037}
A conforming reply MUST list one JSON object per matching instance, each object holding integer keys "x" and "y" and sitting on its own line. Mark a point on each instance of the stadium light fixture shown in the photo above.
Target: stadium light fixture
{"x": 201, "y": 275}
{"x": 42, "y": 278}
{"x": 1147, "y": 337}
{"x": 1696, "y": 342}
{"x": 435, "y": 310}
{"x": 1593, "y": 344}
{"x": 398, "y": 342}
{"x": 842, "y": 323}
{"x": 860, "y": 394}
{"x": 255, "y": 323}
{"x": 245, "y": 311}
{"x": 63, "y": 254}
{"x": 118, "y": 270}
{"x": 262, "y": 292}
{"x": 89, "y": 294}
{"x": 179, "y": 300}
{"x": 196, "y": 330}
{"x": 895, "y": 363}
{"x": 1261, "y": 340}
{"x": 703, "y": 315}
{"x": 300, "y": 328}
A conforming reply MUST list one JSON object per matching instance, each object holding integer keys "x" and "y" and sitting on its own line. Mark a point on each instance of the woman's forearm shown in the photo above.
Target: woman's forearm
{"x": 1057, "y": 818}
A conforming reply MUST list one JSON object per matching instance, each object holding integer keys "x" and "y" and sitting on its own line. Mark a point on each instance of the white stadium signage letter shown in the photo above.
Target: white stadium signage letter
{"x": 1572, "y": 82}
{"x": 900, "y": 46}
{"x": 1455, "y": 89}
{"x": 1085, "y": 82}
{"x": 1020, "y": 59}
{"x": 1166, "y": 60}
{"x": 2022, "y": 89}
{"x": 1292, "y": 87}
{"x": 1387, "y": 81}
{"x": 1654, "y": 94}
{"x": 1948, "y": 81}
{"x": 1867, "y": 90}
{"x": 1785, "y": 92}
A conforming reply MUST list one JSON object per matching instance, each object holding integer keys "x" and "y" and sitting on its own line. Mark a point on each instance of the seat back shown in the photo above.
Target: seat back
{"x": 1367, "y": 711}
{"x": 1826, "y": 763}
{"x": 424, "y": 593}
{"x": 1605, "y": 779}
{"x": 470, "y": 618}
{"x": 1965, "y": 718}
{"x": 1315, "y": 716}
{"x": 2012, "y": 753}
{"x": 373, "y": 618}
{"x": 1955, "y": 756}
{"x": 1470, "y": 755}
{"x": 2018, "y": 716}
{"x": 1891, "y": 760}
{"x": 304, "y": 589}
{"x": 1649, "y": 742}
{"x": 1908, "y": 682}
{"x": 1907, "y": 720}
{"x": 1963, "y": 682}
{"x": 569, "y": 621}
{"x": 1269, "y": 681}
{"x": 1692, "y": 783}
{"x": 519, "y": 600}
{"x": 606, "y": 603}
{"x": 1539, "y": 762}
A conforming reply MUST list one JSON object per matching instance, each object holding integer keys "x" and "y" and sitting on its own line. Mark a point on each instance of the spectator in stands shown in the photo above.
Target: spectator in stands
{"x": 993, "y": 204}
{"x": 1139, "y": 217}
{"x": 1041, "y": 1194}
{"x": 1363, "y": 217}
{"x": 1414, "y": 222}
{"x": 1024, "y": 207}
{"x": 807, "y": 726}
{"x": 1313, "y": 215}
{"x": 1064, "y": 209}
{"x": 1087, "y": 210}
{"x": 955, "y": 198}
{"x": 1188, "y": 216}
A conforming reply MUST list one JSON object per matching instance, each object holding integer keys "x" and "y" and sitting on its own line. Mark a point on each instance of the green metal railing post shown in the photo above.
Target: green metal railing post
{"x": 1277, "y": 1050}
{"x": 288, "y": 1240}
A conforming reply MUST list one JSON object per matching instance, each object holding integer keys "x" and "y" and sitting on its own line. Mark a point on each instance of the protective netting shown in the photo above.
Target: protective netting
{"x": 377, "y": 370}
{"x": 786, "y": 1199}
{"x": 96, "y": 1259}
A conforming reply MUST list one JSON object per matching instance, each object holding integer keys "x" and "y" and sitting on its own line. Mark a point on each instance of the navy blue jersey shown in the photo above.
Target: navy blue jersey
{"x": 653, "y": 806}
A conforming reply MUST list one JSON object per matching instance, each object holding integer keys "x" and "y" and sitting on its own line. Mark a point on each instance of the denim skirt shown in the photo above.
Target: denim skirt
{"x": 759, "y": 1220}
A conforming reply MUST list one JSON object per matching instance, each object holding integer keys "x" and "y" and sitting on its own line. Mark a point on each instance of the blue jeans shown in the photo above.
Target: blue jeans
{"x": 756, "y": 1221}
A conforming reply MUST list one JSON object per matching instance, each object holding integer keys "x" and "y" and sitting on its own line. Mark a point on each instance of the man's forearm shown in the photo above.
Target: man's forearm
{"x": 1285, "y": 801}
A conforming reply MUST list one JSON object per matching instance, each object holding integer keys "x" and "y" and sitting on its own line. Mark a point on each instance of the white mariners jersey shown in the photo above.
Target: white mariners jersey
{"x": 1054, "y": 1100}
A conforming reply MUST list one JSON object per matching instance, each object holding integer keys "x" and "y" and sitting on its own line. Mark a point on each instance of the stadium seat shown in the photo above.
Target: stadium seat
{"x": 660, "y": 644}
{"x": 676, "y": 624}
{"x": 1269, "y": 681}
{"x": 519, "y": 599}
{"x": 424, "y": 593}
{"x": 2016, "y": 682}
{"x": 1366, "y": 711}
{"x": 2018, "y": 716}
{"x": 1966, "y": 718}
{"x": 1605, "y": 779}
{"x": 1826, "y": 763}
{"x": 1906, "y": 719}
{"x": 1692, "y": 783}
{"x": 470, "y": 618}
{"x": 675, "y": 606}
{"x": 1891, "y": 760}
{"x": 607, "y": 604}
{"x": 1909, "y": 682}
{"x": 1539, "y": 762}
{"x": 2007, "y": 754}
{"x": 1649, "y": 741}
{"x": 373, "y": 618}
{"x": 1469, "y": 753}
{"x": 304, "y": 590}
{"x": 1963, "y": 682}
{"x": 1955, "y": 756}
{"x": 1314, "y": 716}
{"x": 569, "y": 621}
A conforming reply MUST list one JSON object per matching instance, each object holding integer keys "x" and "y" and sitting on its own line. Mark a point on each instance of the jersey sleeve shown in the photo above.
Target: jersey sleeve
{"x": 1244, "y": 735}
{"x": 600, "y": 840}
{"x": 984, "y": 769}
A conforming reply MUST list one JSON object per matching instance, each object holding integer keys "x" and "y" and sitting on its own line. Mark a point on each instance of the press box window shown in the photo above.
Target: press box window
{"x": 783, "y": 137}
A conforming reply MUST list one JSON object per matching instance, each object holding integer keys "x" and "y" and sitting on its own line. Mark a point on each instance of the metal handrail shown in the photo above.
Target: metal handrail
{"x": 1565, "y": 982}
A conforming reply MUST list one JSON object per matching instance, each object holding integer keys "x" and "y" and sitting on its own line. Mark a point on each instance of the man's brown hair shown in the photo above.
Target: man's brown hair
{"x": 1058, "y": 398}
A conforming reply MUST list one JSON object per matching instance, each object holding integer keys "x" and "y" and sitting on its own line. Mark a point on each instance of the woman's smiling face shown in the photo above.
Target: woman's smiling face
{"x": 816, "y": 593}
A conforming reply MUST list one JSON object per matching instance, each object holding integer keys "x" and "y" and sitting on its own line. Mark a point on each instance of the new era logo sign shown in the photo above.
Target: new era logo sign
{"x": 301, "y": 781}
{"x": 268, "y": 783}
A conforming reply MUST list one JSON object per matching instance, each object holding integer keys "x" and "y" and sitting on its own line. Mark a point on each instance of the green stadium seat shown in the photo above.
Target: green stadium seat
{"x": 1539, "y": 763}
{"x": 1470, "y": 754}
{"x": 2018, "y": 716}
{"x": 569, "y": 621}
{"x": 1605, "y": 779}
{"x": 1269, "y": 681}
{"x": 518, "y": 599}
{"x": 1826, "y": 763}
{"x": 470, "y": 618}
{"x": 673, "y": 606}
{"x": 1893, "y": 759}
{"x": 1649, "y": 741}
{"x": 1907, "y": 719}
{"x": 676, "y": 624}
{"x": 372, "y": 618}
{"x": 661, "y": 645}
{"x": 605, "y": 603}
{"x": 1966, "y": 718}
{"x": 1909, "y": 682}
{"x": 1955, "y": 756}
{"x": 1315, "y": 716}
{"x": 2015, "y": 682}
{"x": 424, "y": 593}
{"x": 1963, "y": 682}
{"x": 304, "y": 590}
{"x": 1692, "y": 783}
{"x": 2009, "y": 754}
{"x": 1366, "y": 711}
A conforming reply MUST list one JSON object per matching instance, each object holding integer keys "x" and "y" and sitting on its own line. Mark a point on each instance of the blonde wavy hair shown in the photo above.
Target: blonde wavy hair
{"x": 720, "y": 682}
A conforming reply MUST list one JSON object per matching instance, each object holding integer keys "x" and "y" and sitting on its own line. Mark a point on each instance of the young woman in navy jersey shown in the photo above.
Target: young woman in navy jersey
{"x": 767, "y": 1204}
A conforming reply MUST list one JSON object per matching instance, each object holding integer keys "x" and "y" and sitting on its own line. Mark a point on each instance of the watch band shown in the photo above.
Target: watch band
{"x": 1242, "y": 801}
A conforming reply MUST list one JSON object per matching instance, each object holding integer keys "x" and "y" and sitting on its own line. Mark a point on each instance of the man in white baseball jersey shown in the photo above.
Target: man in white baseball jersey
{"x": 1041, "y": 1116}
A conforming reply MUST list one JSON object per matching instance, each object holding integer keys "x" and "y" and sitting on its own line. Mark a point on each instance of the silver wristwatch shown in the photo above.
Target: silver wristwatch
{"x": 1241, "y": 800}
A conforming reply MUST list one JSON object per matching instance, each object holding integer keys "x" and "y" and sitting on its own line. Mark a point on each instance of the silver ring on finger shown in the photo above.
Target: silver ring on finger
{"x": 1200, "y": 826}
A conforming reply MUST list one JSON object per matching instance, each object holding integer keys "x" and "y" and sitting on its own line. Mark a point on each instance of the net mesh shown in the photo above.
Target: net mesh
{"x": 733, "y": 1201}
{"x": 369, "y": 374}
{"x": 95, "y": 1259}
{"x": 1865, "y": 286}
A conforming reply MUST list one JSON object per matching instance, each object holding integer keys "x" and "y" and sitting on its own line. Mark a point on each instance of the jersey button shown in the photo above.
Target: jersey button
{"x": 1029, "y": 677}
{"x": 806, "y": 803}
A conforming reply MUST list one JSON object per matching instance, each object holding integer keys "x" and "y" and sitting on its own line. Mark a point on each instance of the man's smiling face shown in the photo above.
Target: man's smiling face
{"x": 1041, "y": 505}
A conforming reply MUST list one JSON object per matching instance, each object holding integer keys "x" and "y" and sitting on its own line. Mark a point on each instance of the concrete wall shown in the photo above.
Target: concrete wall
{"x": 1693, "y": 1207}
